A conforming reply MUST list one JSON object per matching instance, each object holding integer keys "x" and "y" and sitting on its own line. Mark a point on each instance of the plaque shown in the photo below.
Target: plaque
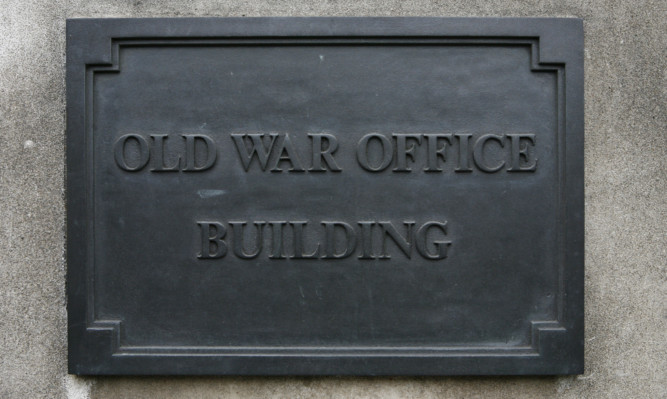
{"x": 325, "y": 196}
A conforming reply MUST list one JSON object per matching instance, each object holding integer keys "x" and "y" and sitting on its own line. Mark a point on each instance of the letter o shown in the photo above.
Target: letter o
{"x": 387, "y": 152}
{"x": 119, "y": 153}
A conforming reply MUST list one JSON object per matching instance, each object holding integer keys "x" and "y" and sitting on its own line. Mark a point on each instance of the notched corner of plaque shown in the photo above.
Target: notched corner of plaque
{"x": 92, "y": 352}
{"x": 562, "y": 41}
{"x": 88, "y": 40}
{"x": 561, "y": 349}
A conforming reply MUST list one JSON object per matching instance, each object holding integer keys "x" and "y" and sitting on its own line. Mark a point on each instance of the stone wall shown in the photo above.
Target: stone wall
{"x": 626, "y": 203}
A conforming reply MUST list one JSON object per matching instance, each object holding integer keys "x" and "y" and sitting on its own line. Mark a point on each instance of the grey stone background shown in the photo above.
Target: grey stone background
{"x": 626, "y": 203}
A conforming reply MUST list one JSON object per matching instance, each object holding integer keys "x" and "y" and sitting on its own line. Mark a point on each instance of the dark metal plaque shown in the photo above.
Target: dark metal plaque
{"x": 366, "y": 196}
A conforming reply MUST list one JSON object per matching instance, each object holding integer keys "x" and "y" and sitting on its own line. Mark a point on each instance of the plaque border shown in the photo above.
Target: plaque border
{"x": 94, "y": 45}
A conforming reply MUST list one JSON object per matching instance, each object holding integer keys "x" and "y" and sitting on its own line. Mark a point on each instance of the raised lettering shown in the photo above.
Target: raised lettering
{"x": 362, "y": 152}
{"x": 143, "y": 152}
{"x": 441, "y": 247}
{"x": 287, "y": 153}
{"x": 158, "y": 155}
{"x": 434, "y": 152}
{"x": 212, "y": 244}
{"x": 258, "y": 150}
{"x": 464, "y": 161}
{"x": 404, "y": 243}
{"x": 321, "y": 154}
{"x": 478, "y": 153}
{"x": 330, "y": 240}
{"x": 518, "y": 153}
{"x": 277, "y": 240}
{"x": 405, "y": 151}
{"x": 239, "y": 238}
{"x": 297, "y": 238}
{"x": 366, "y": 240}
{"x": 191, "y": 153}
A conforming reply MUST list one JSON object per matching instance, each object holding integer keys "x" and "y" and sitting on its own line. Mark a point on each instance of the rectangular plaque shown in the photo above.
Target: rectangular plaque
{"x": 364, "y": 196}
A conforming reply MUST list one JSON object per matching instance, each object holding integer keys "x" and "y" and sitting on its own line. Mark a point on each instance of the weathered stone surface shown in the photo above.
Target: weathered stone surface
{"x": 626, "y": 204}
